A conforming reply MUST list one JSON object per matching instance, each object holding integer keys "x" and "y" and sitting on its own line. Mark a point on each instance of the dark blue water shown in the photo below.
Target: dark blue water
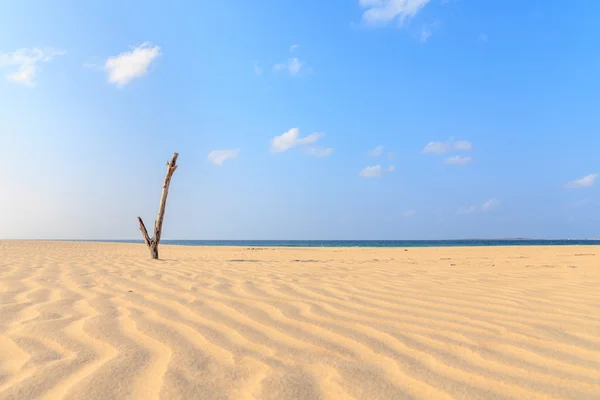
{"x": 373, "y": 243}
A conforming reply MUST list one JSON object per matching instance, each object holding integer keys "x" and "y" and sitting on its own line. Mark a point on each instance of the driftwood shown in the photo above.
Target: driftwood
{"x": 152, "y": 243}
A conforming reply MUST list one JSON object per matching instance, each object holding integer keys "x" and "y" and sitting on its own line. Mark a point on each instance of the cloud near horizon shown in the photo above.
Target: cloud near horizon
{"x": 585, "y": 182}
{"x": 487, "y": 206}
{"x": 132, "y": 64}
{"x": 384, "y": 11}
{"x": 218, "y": 157}
{"x": 27, "y": 63}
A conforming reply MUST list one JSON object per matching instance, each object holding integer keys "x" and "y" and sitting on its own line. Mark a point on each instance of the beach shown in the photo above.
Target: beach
{"x": 104, "y": 321}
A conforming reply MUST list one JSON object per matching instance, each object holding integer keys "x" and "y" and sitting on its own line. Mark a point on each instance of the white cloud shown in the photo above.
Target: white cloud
{"x": 218, "y": 157}
{"x": 458, "y": 160}
{"x": 462, "y": 145}
{"x": 319, "y": 151}
{"x": 444, "y": 147}
{"x": 258, "y": 70}
{"x": 370, "y": 171}
{"x": 129, "y": 65}
{"x": 384, "y": 11}
{"x": 27, "y": 63}
{"x": 291, "y": 139}
{"x": 293, "y": 48}
{"x": 375, "y": 171}
{"x": 489, "y": 205}
{"x": 436, "y": 148}
{"x": 485, "y": 207}
{"x": 410, "y": 213}
{"x": 292, "y": 65}
{"x": 24, "y": 75}
{"x": 586, "y": 181}
{"x": 376, "y": 152}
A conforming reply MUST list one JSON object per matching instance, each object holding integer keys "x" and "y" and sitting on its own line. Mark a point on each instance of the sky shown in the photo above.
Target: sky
{"x": 300, "y": 119}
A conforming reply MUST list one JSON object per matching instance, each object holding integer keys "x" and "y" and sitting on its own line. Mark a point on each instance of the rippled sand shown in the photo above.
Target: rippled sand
{"x": 103, "y": 321}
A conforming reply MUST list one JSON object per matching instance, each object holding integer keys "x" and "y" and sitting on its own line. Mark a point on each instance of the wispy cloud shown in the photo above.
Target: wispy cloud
{"x": 218, "y": 157}
{"x": 586, "y": 181}
{"x": 467, "y": 210}
{"x": 425, "y": 33}
{"x": 487, "y": 206}
{"x": 293, "y": 66}
{"x": 375, "y": 171}
{"x": 458, "y": 160}
{"x": 258, "y": 70}
{"x": 483, "y": 37}
{"x": 410, "y": 213}
{"x": 290, "y": 139}
{"x": 25, "y": 63}
{"x": 376, "y": 152}
{"x": 319, "y": 151}
{"x": 132, "y": 64}
{"x": 444, "y": 147}
{"x": 385, "y": 11}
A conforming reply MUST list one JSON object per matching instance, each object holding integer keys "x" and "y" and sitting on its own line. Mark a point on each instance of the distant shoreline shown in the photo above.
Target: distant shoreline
{"x": 358, "y": 243}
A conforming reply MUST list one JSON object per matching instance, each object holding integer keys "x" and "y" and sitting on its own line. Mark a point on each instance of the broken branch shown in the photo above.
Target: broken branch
{"x": 152, "y": 243}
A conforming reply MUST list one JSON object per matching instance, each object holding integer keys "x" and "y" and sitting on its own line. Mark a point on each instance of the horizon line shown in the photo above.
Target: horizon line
{"x": 304, "y": 240}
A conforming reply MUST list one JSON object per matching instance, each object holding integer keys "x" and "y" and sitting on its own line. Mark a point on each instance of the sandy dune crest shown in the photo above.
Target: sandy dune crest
{"x": 103, "y": 321}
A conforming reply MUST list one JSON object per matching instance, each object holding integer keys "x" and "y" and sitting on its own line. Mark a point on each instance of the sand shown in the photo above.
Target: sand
{"x": 103, "y": 321}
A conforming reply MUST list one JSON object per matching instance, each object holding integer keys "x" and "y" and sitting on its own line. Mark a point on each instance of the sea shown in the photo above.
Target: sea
{"x": 375, "y": 243}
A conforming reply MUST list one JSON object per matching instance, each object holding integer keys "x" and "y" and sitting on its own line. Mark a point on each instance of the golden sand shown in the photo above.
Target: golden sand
{"x": 103, "y": 321}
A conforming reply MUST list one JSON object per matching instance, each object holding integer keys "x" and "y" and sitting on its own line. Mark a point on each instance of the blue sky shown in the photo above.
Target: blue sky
{"x": 345, "y": 119}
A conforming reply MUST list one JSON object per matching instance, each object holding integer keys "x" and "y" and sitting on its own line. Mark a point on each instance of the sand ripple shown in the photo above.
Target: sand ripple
{"x": 102, "y": 321}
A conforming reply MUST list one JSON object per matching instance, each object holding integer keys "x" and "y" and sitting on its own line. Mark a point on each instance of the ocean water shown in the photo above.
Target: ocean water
{"x": 373, "y": 243}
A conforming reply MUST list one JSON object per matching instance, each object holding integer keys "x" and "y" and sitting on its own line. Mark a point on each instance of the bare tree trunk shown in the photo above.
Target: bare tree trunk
{"x": 152, "y": 243}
